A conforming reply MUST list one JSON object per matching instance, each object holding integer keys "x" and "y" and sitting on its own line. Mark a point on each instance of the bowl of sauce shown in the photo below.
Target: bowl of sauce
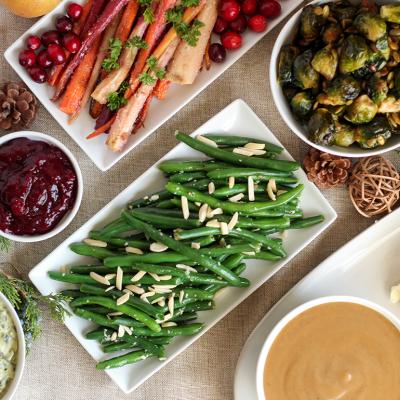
{"x": 40, "y": 186}
{"x": 12, "y": 349}
{"x": 332, "y": 348}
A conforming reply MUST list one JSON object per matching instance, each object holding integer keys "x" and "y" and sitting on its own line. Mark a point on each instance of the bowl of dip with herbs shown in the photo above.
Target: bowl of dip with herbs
{"x": 12, "y": 349}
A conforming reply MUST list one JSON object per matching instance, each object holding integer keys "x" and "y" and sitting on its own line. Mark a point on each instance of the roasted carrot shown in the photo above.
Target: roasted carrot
{"x": 95, "y": 108}
{"x": 207, "y": 59}
{"x": 95, "y": 11}
{"x": 160, "y": 91}
{"x": 104, "y": 128}
{"x": 143, "y": 114}
{"x": 127, "y": 20}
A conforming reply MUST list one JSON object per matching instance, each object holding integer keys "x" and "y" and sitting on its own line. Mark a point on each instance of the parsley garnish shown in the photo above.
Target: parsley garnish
{"x": 147, "y": 79}
{"x": 138, "y": 42}
{"x": 190, "y": 3}
{"x": 174, "y": 15}
{"x": 145, "y": 3}
{"x": 115, "y": 100}
{"x": 148, "y": 15}
{"x": 114, "y": 49}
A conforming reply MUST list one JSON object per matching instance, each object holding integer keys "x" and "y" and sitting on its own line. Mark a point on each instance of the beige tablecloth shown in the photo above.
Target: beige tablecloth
{"x": 58, "y": 368}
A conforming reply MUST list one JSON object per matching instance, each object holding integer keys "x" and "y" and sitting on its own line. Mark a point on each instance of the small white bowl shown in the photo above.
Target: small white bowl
{"x": 299, "y": 310}
{"x": 285, "y": 37}
{"x": 12, "y": 387}
{"x": 69, "y": 216}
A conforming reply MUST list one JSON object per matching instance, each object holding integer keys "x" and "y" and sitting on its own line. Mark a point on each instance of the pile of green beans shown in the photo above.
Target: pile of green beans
{"x": 155, "y": 268}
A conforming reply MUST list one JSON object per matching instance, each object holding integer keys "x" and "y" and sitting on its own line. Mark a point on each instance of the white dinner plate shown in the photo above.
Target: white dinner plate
{"x": 237, "y": 117}
{"x": 160, "y": 111}
{"x": 365, "y": 267}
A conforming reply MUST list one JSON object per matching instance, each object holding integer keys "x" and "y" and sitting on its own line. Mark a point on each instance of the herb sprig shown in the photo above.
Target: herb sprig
{"x": 150, "y": 78}
{"x": 115, "y": 100}
{"x": 5, "y": 244}
{"x": 137, "y": 42}
{"x": 114, "y": 50}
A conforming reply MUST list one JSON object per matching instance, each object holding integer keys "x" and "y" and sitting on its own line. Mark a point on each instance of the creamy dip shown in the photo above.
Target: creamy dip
{"x": 335, "y": 351}
{"x": 8, "y": 348}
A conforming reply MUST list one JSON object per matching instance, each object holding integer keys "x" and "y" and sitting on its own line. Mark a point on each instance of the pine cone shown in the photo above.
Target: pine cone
{"x": 18, "y": 106}
{"x": 326, "y": 170}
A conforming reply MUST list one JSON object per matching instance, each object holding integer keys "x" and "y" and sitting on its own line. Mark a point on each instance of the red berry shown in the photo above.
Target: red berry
{"x": 44, "y": 60}
{"x": 229, "y": 10}
{"x": 217, "y": 52}
{"x": 56, "y": 53}
{"x": 257, "y": 23}
{"x": 51, "y": 37}
{"x": 249, "y": 7}
{"x": 64, "y": 24}
{"x": 220, "y": 26}
{"x": 239, "y": 25}
{"x": 33, "y": 42}
{"x": 231, "y": 40}
{"x": 74, "y": 11}
{"x": 27, "y": 58}
{"x": 71, "y": 42}
{"x": 38, "y": 74}
{"x": 269, "y": 8}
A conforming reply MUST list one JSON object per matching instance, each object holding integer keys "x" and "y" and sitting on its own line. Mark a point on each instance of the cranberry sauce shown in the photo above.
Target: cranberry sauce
{"x": 38, "y": 186}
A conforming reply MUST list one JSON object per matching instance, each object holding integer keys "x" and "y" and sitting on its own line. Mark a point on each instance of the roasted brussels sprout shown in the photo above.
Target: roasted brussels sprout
{"x": 389, "y": 105}
{"x": 301, "y": 104}
{"x": 391, "y": 13}
{"x": 344, "y": 135}
{"x": 325, "y": 62}
{"x": 343, "y": 11}
{"x": 361, "y": 111}
{"x": 332, "y": 33}
{"x": 304, "y": 74}
{"x": 373, "y": 27}
{"x": 375, "y": 63}
{"x": 312, "y": 21}
{"x": 321, "y": 127}
{"x": 286, "y": 60}
{"x": 377, "y": 89}
{"x": 373, "y": 134}
{"x": 341, "y": 90}
{"x": 355, "y": 53}
{"x": 396, "y": 81}
{"x": 382, "y": 45}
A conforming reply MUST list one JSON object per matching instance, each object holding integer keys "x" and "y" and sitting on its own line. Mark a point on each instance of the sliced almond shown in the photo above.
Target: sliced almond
{"x": 185, "y": 207}
{"x": 242, "y": 151}
{"x": 213, "y": 223}
{"x": 133, "y": 250}
{"x": 154, "y": 276}
{"x": 224, "y": 228}
{"x": 128, "y": 330}
{"x": 171, "y": 303}
{"x": 110, "y": 288}
{"x": 121, "y": 331}
{"x": 123, "y": 299}
{"x": 159, "y": 286}
{"x": 147, "y": 294}
{"x": 135, "y": 289}
{"x": 236, "y": 197}
{"x": 181, "y": 296}
{"x": 95, "y": 243}
{"x": 99, "y": 278}
{"x": 195, "y": 245}
{"x": 187, "y": 268}
{"x": 115, "y": 314}
{"x": 211, "y": 188}
{"x": 250, "y": 188}
{"x": 168, "y": 324}
{"x": 166, "y": 318}
{"x": 138, "y": 276}
{"x": 203, "y": 212}
{"x": 157, "y": 300}
{"x": 118, "y": 279}
{"x": 231, "y": 182}
{"x": 206, "y": 140}
{"x": 258, "y": 152}
{"x": 211, "y": 213}
{"x": 114, "y": 336}
{"x": 161, "y": 302}
{"x": 255, "y": 146}
{"x": 270, "y": 189}
{"x": 234, "y": 220}
{"x": 164, "y": 277}
{"x": 249, "y": 253}
{"x": 158, "y": 247}
{"x": 154, "y": 197}
{"x": 110, "y": 276}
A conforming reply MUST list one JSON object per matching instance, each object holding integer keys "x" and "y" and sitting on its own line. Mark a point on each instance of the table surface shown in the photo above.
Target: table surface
{"x": 58, "y": 367}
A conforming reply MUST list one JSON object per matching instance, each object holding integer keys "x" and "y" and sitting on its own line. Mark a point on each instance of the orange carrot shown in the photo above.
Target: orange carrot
{"x": 127, "y": 20}
{"x": 143, "y": 114}
{"x": 99, "y": 131}
{"x": 160, "y": 91}
{"x": 95, "y": 108}
{"x": 77, "y": 85}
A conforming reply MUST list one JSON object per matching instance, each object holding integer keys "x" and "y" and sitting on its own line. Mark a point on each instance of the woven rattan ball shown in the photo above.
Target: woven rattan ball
{"x": 374, "y": 186}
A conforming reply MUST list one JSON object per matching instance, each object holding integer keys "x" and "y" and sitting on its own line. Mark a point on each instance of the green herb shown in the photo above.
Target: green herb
{"x": 114, "y": 50}
{"x": 148, "y": 15}
{"x": 5, "y": 244}
{"x": 152, "y": 63}
{"x": 190, "y": 3}
{"x": 145, "y": 3}
{"x": 158, "y": 73}
{"x": 115, "y": 100}
{"x": 138, "y": 42}
{"x": 190, "y": 34}
{"x": 26, "y": 301}
{"x": 147, "y": 79}
{"x": 174, "y": 15}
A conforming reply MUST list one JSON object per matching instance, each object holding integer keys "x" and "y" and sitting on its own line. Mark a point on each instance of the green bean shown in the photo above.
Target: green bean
{"x": 118, "y": 241}
{"x": 184, "y": 177}
{"x": 241, "y": 141}
{"x": 115, "y": 228}
{"x": 98, "y": 319}
{"x": 148, "y": 258}
{"x": 264, "y": 255}
{"x": 185, "y": 317}
{"x": 96, "y": 334}
{"x": 257, "y": 174}
{"x": 114, "y": 347}
{"x": 239, "y": 269}
{"x": 267, "y": 154}
{"x": 204, "y": 241}
{"x": 173, "y": 167}
{"x": 130, "y": 322}
{"x": 125, "y": 359}
{"x": 306, "y": 222}
{"x": 233, "y": 158}
{"x": 96, "y": 309}
{"x": 176, "y": 201}
{"x": 165, "y": 204}
{"x": 164, "y": 221}
{"x": 199, "y": 306}
{"x": 71, "y": 293}
{"x": 180, "y": 330}
{"x": 91, "y": 251}
{"x": 230, "y": 207}
{"x": 126, "y": 309}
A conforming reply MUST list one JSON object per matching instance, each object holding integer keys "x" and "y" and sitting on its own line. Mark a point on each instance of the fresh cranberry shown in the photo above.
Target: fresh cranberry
{"x": 231, "y": 40}
{"x": 239, "y": 25}
{"x": 229, "y": 10}
{"x": 71, "y": 42}
{"x": 51, "y": 37}
{"x": 44, "y": 59}
{"x": 38, "y": 74}
{"x": 257, "y": 23}
{"x": 64, "y": 24}
{"x": 220, "y": 26}
{"x": 217, "y": 52}
{"x": 249, "y": 7}
{"x": 74, "y": 11}
{"x": 33, "y": 42}
{"x": 27, "y": 58}
{"x": 56, "y": 53}
{"x": 269, "y": 8}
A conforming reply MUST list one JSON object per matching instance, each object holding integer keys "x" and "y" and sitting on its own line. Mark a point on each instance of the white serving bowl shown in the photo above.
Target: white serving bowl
{"x": 299, "y": 310}
{"x": 69, "y": 216}
{"x": 12, "y": 387}
{"x": 285, "y": 37}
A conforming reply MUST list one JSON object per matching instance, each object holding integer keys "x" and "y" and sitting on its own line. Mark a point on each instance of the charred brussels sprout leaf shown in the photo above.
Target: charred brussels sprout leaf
{"x": 321, "y": 127}
{"x": 373, "y": 134}
{"x": 382, "y": 46}
{"x": 341, "y": 90}
{"x": 312, "y": 21}
{"x": 354, "y": 54}
{"x": 373, "y": 27}
{"x": 344, "y": 135}
{"x": 286, "y": 60}
{"x": 305, "y": 75}
{"x": 361, "y": 111}
{"x": 375, "y": 63}
{"x": 325, "y": 62}
{"x": 343, "y": 11}
{"x": 377, "y": 89}
{"x": 302, "y": 104}
{"x": 332, "y": 33}
{"x": 391, "y": 13}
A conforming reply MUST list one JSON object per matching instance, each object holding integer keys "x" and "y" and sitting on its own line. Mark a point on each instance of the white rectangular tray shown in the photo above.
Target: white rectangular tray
{"x": 160, "y": 111}
{"x": 366, "y": 267}
{"x": 235, "y": 118}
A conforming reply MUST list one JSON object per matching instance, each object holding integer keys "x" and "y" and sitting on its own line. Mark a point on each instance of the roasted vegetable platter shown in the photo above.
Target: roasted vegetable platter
{"x": 146, "y": 189}
{"x": 158, "y": 111}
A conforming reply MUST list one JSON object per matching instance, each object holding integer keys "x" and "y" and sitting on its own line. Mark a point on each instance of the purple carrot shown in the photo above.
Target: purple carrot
{"x": 95, "y": 11}
{"x": 105, "y": 115}
{"x": 110, "y": 12}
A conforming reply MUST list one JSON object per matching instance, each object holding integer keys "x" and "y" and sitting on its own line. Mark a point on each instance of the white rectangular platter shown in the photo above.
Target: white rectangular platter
{"x": 234, "y": 119}
{"x": 160, "y": 111}
{"x": 366, "y": 267}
